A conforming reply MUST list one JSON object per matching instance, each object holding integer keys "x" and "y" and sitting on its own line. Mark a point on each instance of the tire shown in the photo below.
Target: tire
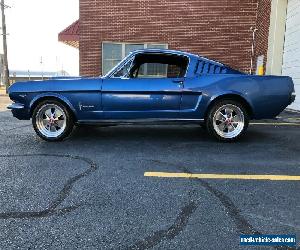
{"x": 52, "y": 121}
{"x": 227, "y": 120}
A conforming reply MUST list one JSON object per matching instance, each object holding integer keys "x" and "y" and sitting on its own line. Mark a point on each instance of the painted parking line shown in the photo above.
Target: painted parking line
{"x": 293, "y": 118}
{"x": 223, "y": 176}
{"x": 275, "y": 123}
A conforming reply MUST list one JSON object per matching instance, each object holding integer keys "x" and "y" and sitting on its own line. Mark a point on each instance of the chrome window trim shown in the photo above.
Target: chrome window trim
{"x": 133, "y": 54}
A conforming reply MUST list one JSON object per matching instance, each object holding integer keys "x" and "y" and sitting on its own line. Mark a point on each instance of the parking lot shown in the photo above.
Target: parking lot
{"x": 90, "y": 191}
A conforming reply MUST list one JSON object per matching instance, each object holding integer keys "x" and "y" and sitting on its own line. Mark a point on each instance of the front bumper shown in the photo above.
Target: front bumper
{"x": 19, "y": 111}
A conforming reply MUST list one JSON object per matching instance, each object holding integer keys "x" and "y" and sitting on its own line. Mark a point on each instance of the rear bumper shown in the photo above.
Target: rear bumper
{"x": 293, "y": 97}
{"x": 19, "y": 111}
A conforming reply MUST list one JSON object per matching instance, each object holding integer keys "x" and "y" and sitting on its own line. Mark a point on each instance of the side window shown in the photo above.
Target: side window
{"x": 159, "y": 66}
{"x": 151, "y": 70}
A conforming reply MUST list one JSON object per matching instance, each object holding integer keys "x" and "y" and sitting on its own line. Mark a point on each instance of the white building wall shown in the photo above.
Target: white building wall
{"x": 291, "y": 54}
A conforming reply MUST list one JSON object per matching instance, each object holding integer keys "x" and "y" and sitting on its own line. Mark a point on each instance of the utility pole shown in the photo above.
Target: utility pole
{"x": 5, "y": 60}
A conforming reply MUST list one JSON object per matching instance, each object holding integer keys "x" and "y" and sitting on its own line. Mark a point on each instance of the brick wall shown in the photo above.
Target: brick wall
{"x": 213, "y": 28}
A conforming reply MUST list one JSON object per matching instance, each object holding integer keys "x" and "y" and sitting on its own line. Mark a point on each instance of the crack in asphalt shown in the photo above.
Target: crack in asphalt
{"x": 241, "y": 223}
{"x": 243, "y": 226}
{"x": 62, "y": 195}
{"x": 170, "y": 233}
{"x": 167, "y": 234}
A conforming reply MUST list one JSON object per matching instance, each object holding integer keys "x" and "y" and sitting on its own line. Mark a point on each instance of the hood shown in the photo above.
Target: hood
{"x": 56, "y": 85}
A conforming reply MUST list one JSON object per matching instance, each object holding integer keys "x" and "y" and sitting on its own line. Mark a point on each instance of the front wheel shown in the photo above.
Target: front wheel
{"x": 227, "y": 120}
{"x": 52, "y": 121}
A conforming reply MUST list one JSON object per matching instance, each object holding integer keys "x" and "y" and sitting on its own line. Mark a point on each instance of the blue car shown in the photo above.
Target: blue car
{"x": 154, "y": 86}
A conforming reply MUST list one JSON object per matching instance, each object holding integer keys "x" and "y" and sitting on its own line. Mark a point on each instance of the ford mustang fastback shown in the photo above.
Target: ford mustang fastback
{"x": 154, "y": 86}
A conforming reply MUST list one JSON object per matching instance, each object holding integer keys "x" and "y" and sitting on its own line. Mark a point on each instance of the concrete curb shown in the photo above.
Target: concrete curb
{"x": 292, "y": 110}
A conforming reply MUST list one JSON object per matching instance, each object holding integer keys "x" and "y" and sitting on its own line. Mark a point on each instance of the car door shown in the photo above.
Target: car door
{"x": 138, "y": 96}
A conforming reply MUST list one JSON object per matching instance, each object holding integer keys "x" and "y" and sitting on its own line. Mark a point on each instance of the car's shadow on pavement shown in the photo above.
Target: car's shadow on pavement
{"x": 172, "y": 134}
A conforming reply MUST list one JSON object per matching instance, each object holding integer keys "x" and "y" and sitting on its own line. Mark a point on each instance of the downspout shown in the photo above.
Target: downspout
{"x": 254, "y": 30}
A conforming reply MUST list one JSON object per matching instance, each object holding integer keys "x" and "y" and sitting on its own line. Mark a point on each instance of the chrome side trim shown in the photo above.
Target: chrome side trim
{"x": 140, "y": 121}
{"x": 15, "y": 106}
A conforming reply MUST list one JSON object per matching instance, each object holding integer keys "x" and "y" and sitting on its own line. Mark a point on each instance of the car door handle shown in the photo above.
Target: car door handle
{"x": 179, "y": 82}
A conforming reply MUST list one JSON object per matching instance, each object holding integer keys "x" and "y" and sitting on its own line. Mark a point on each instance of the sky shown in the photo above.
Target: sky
{"x": 33, "y": 27}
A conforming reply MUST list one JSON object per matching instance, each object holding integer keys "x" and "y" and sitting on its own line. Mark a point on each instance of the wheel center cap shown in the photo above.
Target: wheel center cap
{"x": 228, "y": 121}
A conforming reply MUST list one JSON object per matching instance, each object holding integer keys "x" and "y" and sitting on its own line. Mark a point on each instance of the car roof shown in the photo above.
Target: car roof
{"x": 163, "y": 51}
{"x": 177, "y": 52}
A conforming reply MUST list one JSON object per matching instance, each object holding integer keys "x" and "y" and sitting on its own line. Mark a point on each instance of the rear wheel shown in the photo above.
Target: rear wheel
{"x": 52, "y": 121}
{"x": 227, "y": 120}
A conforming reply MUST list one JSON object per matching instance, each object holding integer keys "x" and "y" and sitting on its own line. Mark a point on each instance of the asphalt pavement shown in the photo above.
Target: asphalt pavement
{"x": 90, "y": 192}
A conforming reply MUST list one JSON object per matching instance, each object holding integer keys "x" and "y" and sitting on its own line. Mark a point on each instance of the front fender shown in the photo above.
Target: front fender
{"x": 53, "y": 95}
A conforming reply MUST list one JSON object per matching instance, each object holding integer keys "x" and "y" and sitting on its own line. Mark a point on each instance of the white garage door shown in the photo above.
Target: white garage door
{"x": 291, "y": 56}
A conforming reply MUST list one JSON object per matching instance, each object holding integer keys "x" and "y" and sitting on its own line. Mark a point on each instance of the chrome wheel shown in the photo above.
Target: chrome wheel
{"x": 229, "y": 121}
{"x": 51, "y": 120}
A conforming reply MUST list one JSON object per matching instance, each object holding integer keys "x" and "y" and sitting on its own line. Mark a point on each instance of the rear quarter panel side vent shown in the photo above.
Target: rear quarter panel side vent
{"x": 208, "y": 67}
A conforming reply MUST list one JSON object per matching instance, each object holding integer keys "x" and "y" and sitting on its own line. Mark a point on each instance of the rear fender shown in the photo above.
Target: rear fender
{"x": 232, "y": 95}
